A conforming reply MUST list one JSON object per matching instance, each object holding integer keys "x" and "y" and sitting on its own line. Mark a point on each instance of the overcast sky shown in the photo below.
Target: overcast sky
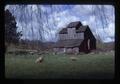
{"x": 62, "y": 15}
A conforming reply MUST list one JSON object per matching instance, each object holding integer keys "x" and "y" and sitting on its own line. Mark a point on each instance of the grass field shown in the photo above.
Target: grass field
{"x": 87, "y": 66}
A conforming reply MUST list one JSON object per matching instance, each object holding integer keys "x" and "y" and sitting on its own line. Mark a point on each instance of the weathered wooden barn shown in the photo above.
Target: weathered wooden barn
{"x": 75, "y": 38}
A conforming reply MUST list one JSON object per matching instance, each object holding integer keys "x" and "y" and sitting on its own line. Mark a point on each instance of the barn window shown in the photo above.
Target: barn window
{"x": 88, "y": 44}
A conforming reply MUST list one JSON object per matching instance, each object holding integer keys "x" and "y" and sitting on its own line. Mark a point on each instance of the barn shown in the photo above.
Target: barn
{"x": 75, "y": 38}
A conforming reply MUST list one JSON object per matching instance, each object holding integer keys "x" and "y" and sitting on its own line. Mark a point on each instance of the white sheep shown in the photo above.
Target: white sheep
{"x": 39, "y": 60}
{"x": 73, "y": 58}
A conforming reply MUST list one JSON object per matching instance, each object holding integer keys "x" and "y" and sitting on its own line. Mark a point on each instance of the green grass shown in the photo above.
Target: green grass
{"x": 86, "y": 66}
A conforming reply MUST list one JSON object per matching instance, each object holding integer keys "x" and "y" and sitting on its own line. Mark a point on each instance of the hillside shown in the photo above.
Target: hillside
{"x": 105, "y": 46}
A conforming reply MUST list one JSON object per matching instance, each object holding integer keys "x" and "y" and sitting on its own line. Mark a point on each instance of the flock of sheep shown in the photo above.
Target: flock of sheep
{"x": 40, "y": 59}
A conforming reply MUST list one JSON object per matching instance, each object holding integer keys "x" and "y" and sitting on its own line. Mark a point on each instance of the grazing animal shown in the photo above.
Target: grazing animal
{"x": 31, "y": 53}
{"x": 73, "y": 58}
{"x": 39, "y": 60}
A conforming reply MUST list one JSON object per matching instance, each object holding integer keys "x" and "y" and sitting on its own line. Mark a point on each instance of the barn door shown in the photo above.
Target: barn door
{"x": 64, "y": 50}
{"x": 88, "y": 44}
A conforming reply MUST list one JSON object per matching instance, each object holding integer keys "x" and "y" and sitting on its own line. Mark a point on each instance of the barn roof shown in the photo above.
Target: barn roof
{"x": 68, "y": 43}
{"x": 80, "y": 29}
{"x": 74, "y": 24}
{"x": 63, "y": 31}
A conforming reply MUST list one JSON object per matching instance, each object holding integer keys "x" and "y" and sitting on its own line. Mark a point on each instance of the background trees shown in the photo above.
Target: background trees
{"x": 11, "y": 34}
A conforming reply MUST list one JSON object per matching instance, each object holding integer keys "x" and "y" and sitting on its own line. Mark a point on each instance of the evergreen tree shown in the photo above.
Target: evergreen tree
{"x": 11, "y": 34}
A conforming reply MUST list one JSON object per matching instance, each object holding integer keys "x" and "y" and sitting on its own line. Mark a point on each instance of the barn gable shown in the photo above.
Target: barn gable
{"x": 78, "y": 30}
{"x": 75, "y": 25}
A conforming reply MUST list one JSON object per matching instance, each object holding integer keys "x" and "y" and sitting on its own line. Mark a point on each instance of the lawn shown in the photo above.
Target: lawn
{"x": 87, "y": 66}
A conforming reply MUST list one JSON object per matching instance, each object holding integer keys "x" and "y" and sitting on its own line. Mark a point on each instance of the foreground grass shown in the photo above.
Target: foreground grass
{"x": 86, "y": 66}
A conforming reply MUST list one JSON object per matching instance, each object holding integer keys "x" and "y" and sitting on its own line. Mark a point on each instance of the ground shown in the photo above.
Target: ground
{"x": 86, "y": 66}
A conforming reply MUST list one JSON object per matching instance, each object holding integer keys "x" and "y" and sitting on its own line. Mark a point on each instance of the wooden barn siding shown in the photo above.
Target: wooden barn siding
{"x": 92, "y": 39}
{"x": 89, "y": 35}
{"x": 71, "y": 35}
{"x": 63, "y": 36}
{"x": 93, "y": 44}
{"x": 83, "y": 47}
{"x": 66, "y": 50}
{"x": 75, "y": 36}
